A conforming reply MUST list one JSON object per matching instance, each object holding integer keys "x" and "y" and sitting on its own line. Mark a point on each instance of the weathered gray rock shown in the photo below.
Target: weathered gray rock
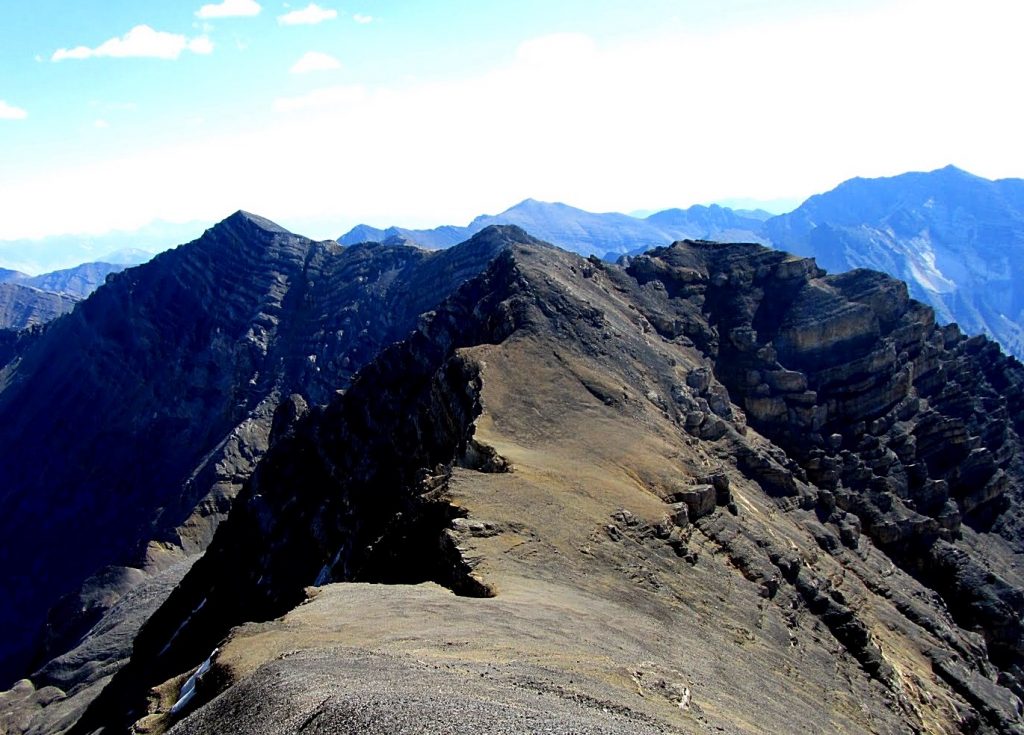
{"x": 700, "y": 500}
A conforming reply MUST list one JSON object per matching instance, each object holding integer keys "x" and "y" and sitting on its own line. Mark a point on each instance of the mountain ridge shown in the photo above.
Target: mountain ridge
{"x": 666, "y": 345}
{"x": 608, "y": 235}
{"x": 796, "y": 487}
{"x": 186, "y": 358}
{"x": 958, "y": 255}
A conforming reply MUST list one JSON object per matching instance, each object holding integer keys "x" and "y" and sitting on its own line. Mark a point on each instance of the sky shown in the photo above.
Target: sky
{"x": 115, "y": 114}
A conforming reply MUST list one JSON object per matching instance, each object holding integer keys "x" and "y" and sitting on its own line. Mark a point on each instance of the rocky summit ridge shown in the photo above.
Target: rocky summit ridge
{"x": 713, "y": 488}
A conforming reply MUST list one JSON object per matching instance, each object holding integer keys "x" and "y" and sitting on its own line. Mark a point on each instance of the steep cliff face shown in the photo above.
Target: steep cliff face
{"x": 715, "y": 488}
{"x": 129, "y": 426}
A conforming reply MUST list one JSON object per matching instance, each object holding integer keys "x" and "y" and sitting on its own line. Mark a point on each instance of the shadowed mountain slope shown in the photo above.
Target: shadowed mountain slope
{"x": 716, "y": 489}
{"x": 129, "y": 425}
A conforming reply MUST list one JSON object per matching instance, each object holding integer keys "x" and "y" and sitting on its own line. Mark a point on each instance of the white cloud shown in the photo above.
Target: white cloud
{"x": 201, "y": 45}
{"x": 360, "y": 18}
{"x": 315, "y": 61}
{"x": 101, "y": 124}
{"x": 229, "y": 9}
{"x": 308, "y": 16}
{"x": 666, "y": 119}
{"x": 10, "y": 112}
{"x": 140, "y": 42}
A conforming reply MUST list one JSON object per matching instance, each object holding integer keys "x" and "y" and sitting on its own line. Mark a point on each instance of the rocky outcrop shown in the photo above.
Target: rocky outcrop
{"x": 906, "y": 430}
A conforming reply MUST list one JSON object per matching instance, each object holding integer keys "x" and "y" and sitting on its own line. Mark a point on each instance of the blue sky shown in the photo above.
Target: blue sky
{"x": 117, "y": 113}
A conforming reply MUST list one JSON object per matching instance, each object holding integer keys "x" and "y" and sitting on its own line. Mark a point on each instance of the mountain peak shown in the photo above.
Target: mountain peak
{"x": 952, "y": 172}
{"x": 241, "y": 218}
{"x": 535, "y": 205}
{"x": 528, "y": 202}
{"x": 504, "y": 235}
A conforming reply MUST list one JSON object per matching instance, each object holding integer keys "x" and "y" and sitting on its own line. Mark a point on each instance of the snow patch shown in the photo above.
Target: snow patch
{"x": 188, "y": 689}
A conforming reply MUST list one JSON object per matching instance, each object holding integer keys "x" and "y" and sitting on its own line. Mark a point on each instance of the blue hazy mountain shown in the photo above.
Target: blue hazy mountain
{"x": 78, "y": 282}
{"x": 133, "y": 247}
{"x": 27, "y": 301}
{"x": 7, "y": 274}
{"x": 955, "y": 238}
{"x": 22, "y": 305}
{"x": 126, "y": 257}
{"x": 608, "y": 234}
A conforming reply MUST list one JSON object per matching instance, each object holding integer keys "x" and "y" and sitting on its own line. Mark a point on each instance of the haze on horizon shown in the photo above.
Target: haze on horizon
{"x": 321, "y": 116}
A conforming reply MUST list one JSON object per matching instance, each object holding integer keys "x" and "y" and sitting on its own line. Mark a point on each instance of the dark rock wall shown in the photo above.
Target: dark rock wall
{"x": 148, "y": 407}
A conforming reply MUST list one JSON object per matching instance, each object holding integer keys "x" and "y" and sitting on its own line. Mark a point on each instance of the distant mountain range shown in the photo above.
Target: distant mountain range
{"x": 58, "y": 252}
{"x": 608, "y": 235}
{"x": 955, "y": 238}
